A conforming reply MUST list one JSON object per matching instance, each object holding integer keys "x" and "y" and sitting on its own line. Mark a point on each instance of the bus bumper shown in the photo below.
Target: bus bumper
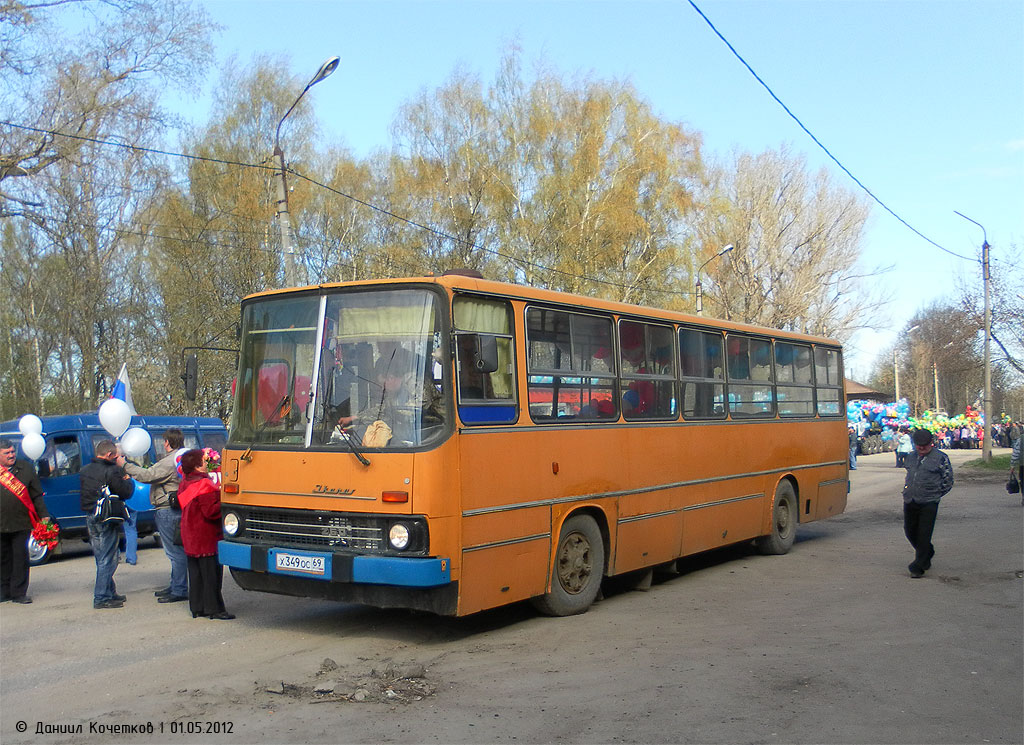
{"x": 328, "y": 567}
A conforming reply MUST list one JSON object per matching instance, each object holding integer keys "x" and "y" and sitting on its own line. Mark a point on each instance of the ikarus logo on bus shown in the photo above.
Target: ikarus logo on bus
{"x": 324, "y": 489}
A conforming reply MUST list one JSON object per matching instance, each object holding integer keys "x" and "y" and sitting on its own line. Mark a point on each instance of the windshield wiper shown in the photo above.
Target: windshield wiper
{"x": 347, "y": 437}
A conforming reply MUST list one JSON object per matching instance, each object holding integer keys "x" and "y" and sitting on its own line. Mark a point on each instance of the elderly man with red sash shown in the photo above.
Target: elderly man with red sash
{"x": 21, "y": 507}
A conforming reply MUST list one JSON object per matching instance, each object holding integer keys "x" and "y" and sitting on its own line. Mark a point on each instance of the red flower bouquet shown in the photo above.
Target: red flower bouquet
{"x": 46, "y": 533}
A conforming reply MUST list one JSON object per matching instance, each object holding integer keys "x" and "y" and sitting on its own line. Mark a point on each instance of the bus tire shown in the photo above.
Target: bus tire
{"x": 577, "y": 571}
{"x": 784, "y": 520}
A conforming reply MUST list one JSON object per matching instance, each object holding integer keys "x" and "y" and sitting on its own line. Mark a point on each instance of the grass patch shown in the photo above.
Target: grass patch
{"x": 998, "y": 463}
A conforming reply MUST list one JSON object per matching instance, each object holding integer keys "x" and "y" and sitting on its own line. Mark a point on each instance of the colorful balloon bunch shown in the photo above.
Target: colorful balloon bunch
{"x": 893, "y": 416}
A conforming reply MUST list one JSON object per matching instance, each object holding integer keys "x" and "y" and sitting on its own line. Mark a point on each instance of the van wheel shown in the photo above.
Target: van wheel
{"x": 784, "y": 520}
{"x": 37, "y": 553}
{"x": 578, "y": 569}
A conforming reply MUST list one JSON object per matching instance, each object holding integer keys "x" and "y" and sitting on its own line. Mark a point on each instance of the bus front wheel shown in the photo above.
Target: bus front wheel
{"x": 784, "y": 520}
{"x": 578, "y": 568}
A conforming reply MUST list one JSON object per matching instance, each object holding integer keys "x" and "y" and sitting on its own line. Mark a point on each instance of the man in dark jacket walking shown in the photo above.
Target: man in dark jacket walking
{"x": 929, "y": 479}
{"x": 103, "y": 537}
{"x": 19, "y": 488}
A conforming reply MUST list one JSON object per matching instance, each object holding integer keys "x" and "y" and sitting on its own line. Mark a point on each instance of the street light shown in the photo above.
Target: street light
{"x": 283, "y": 216}
{"x": 986, "y": 447}
{"x": 700, "y": 289}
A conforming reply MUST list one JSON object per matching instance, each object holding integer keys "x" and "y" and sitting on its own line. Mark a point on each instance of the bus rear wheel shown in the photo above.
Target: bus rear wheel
{"x": 784, "y": 520}
{"x": 577, "y": 571}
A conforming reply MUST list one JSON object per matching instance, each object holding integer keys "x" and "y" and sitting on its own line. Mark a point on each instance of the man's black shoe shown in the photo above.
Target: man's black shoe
{"x": 111, "y": 603}
{"x": 915, "y": 572}
{"x": 122, "y": 598}
{"x": 162, "y": 593}
{"x": 23, "y": 600}
{"x": 171, "y": 598}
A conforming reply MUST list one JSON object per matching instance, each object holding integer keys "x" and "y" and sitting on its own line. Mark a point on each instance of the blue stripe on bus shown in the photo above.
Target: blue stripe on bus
{"x": 375, "y": 570}
{"x": 237, "y": 555}
{"x": 486, "y": 414}
{"x": 387, "y": 570}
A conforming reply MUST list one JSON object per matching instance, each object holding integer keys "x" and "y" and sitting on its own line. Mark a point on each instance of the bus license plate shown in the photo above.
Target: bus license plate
{"x": 304, "y": 564}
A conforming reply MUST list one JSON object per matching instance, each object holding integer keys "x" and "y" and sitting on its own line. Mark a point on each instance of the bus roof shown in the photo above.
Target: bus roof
{"x": 456, "y": 282}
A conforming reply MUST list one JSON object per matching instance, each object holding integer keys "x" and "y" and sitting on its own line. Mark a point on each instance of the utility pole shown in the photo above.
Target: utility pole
{"x": 291, "y": 274}
{"x": 700, "y": 288}
{"x": 935, "y": 374}
{"x": 896, "y": 374}
{"x": 986, "y": 447}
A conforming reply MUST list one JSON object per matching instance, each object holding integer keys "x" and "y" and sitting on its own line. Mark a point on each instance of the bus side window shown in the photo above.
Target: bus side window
{"x": 484, "y": 396}
{"x": 703, "y": 374}
{"x": 750, "y": 376}
{"x": 571, "y": 366}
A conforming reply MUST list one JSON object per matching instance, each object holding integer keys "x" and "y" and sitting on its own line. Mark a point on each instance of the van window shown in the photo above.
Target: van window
{"x": 145, "y": 460}
{"x": 191, "y": 440}
{"x": 215, "y": 440}
{"x": 62, "y": 457}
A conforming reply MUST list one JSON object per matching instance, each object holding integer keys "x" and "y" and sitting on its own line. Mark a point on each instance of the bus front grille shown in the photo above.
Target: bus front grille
{"x": 313, "y": 529}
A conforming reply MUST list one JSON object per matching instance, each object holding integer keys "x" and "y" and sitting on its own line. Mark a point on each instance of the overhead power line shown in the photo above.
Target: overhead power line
{"x": 381, "y": 210}
{"x": 818, "y": 142}
{"x": 477, "y": 246}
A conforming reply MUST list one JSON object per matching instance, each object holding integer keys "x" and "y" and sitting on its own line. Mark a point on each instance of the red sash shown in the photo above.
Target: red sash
{"x": 10, "y": 482}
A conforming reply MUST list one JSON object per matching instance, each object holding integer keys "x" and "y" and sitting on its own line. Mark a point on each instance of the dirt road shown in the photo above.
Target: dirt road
{"x": 833, "y": 643}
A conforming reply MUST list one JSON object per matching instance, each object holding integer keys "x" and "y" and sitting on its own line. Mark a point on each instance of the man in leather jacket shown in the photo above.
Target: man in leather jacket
{"x": 104, "y": 537}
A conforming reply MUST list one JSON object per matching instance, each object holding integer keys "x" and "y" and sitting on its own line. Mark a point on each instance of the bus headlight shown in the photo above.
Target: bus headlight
{"x": 231, "y": 523}
{"x": 398, "y": 536}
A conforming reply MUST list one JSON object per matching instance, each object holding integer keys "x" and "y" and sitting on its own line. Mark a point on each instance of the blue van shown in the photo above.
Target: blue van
{"x": 69, "y": 446}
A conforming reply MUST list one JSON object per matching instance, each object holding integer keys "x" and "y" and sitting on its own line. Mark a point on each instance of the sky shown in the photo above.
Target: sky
{"x": 922, "y": 101}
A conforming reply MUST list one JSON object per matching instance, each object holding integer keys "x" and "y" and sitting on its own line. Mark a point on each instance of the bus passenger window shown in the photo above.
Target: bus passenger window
{"x": 827, "y": 381}
{"x": 750, "y": 376}
{"x": 702, "y": 357}
{"x": 571, "y": 366}
{"x": 795, "y": 381}
{"x": 647, "y": 364}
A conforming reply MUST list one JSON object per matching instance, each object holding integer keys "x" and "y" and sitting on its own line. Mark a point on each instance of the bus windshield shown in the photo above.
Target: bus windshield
{"x": 361, "y": 368}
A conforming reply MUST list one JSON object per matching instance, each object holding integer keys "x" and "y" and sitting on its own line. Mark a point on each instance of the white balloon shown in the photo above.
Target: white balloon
{"x": 30, "y": 424}
{"x": 135, "y": 442}
{"x": 115, "y": 416}
{"x": 33, "y": 445}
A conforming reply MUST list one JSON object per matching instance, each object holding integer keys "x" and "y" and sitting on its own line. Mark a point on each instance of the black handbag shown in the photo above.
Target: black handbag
{"x": 1013, "y": 486}
{"x": 109, "y": 509}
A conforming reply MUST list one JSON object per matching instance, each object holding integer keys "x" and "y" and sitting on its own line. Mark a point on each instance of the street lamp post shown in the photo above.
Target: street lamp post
{"x": 896, "y": 375}
{"x": 986, "y": 447}
{"x": 283, "y": 216}
{"x": 700, "y": 289}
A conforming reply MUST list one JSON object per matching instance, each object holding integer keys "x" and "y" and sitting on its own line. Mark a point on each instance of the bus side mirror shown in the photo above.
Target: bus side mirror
{"x": 485, "y": 353}
{"x": 190, "y": 376}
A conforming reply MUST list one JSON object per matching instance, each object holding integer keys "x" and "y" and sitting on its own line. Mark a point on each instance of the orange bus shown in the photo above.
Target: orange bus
{"x": 452, "y": 444}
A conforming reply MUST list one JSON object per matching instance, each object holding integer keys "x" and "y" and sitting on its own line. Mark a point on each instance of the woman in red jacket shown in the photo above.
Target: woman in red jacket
{"x": 200, "y": 531}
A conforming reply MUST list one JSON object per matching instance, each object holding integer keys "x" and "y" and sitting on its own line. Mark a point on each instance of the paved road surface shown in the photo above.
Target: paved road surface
{"x": 833, "y": 643}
